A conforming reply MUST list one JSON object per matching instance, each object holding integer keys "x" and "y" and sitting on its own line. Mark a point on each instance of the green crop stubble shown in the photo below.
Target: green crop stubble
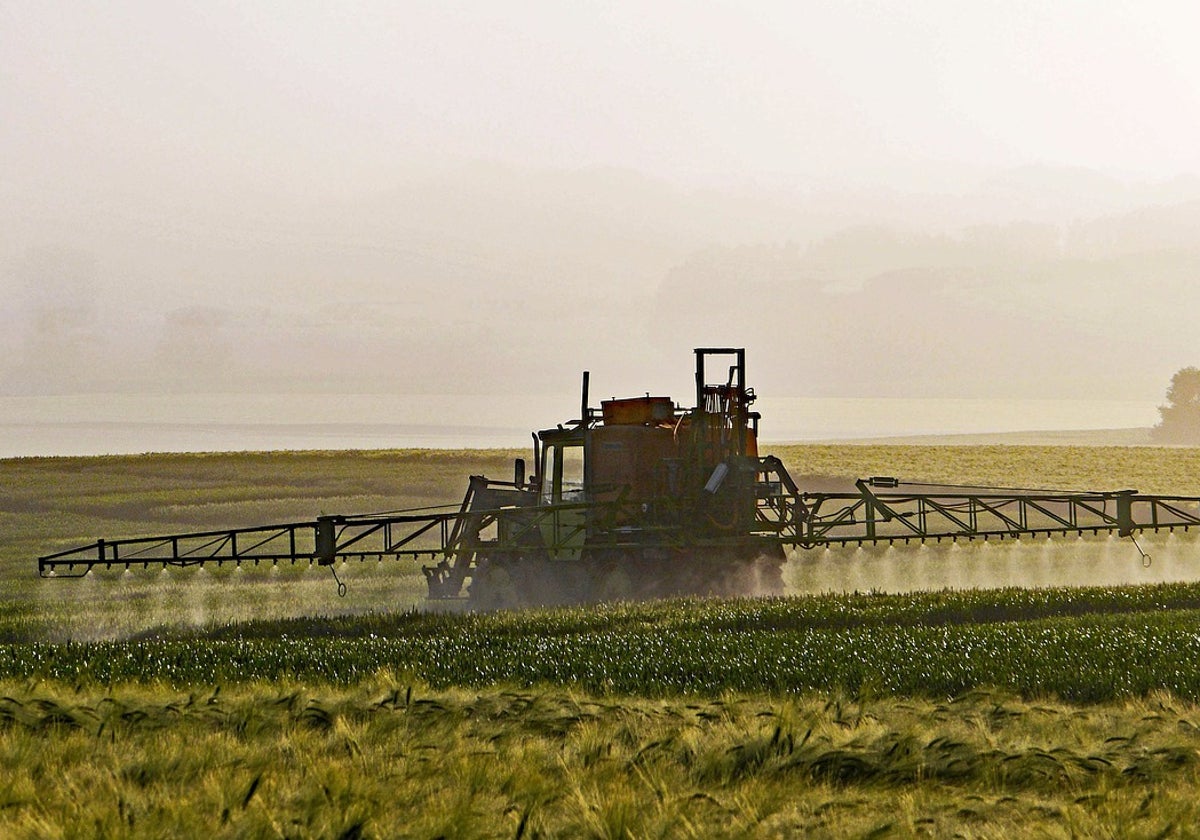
{"x": 1085, "y": 645}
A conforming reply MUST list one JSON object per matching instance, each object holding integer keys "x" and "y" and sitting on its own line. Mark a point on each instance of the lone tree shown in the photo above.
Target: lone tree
{"x": 1181, "y": 415}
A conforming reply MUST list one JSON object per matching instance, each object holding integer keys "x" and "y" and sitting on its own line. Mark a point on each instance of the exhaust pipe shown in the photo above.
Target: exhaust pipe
{"x": 583, "y": 402}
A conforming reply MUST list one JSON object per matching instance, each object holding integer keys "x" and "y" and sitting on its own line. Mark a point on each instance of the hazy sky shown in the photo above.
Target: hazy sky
{"x": 186, "y": 185}
{"x": 295, "y": 96}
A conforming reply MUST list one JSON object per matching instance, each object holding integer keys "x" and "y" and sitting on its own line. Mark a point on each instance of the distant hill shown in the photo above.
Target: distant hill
{"x": 485, "y": 278}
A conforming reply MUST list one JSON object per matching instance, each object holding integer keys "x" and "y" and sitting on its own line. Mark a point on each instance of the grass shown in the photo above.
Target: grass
{"x": 258, "y": 704}
{"x": 1165, "y": 470}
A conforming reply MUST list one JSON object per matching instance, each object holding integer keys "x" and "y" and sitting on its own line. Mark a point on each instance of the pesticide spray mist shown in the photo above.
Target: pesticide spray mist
{"x": 1036, "y": 562}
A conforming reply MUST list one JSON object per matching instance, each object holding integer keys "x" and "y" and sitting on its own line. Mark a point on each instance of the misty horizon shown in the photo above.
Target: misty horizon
{"x": 875, "y": 202}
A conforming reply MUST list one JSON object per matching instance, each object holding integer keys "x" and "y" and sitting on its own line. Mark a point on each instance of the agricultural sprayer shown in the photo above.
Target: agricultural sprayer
{"x": 643, "y": 498}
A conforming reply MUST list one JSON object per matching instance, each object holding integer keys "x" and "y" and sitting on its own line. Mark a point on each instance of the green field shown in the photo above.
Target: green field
{"x": 257, "y": 703}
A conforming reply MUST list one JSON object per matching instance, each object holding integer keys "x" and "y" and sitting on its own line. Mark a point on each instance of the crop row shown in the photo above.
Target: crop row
{"x": 830, "y": 611}
{"x": 1079, "y": 659}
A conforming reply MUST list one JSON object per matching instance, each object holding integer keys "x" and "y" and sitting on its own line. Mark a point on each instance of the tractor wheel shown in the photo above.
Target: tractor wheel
{"x": 493, "y": 586}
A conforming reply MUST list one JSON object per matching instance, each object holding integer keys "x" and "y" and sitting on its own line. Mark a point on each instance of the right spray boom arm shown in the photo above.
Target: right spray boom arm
{"x": 884, "y": 509}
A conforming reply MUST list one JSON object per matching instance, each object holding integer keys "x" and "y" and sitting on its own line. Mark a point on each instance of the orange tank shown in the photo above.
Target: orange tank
{"x": 638, "y": 411}
{"x": 631, "y": 458}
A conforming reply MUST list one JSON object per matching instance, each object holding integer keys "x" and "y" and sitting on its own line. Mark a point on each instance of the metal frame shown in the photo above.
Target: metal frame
{"x": 808, "y": 520}
{"x": 783, "y": 515}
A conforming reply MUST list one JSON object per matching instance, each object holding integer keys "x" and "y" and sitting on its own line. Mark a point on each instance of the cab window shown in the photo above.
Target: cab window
{"x": 563, "y": 471}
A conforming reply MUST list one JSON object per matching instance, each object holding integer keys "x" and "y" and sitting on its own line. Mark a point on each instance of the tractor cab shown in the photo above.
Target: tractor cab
{"x": 562, "y": 465}
{"x": 645, "y": 462}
